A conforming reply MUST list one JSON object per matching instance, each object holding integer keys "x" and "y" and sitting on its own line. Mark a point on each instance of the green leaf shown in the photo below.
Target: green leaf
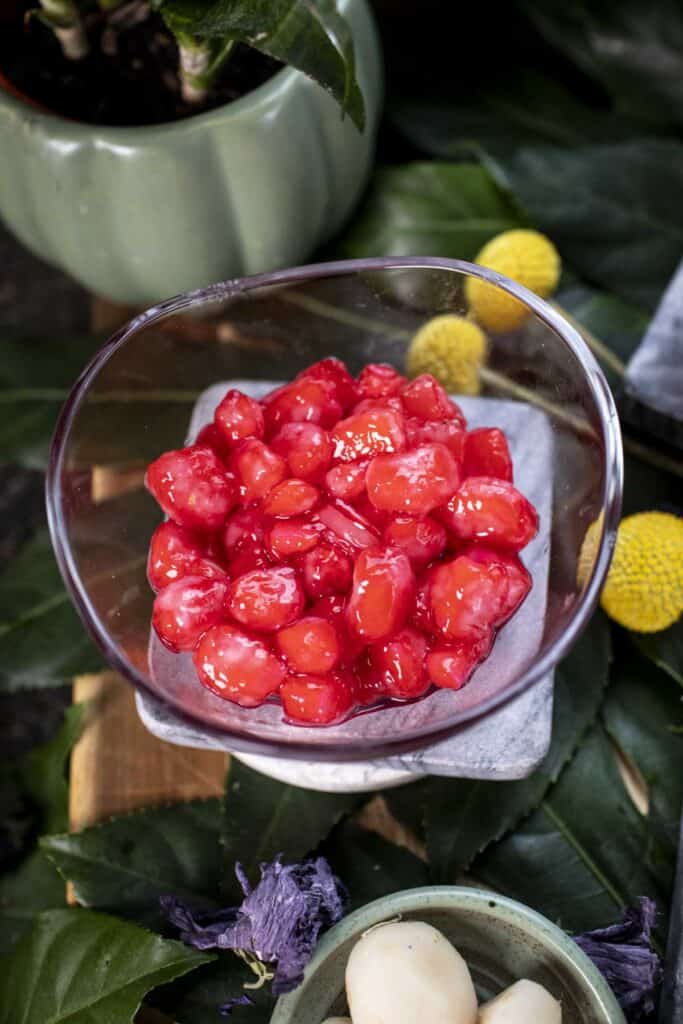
{"x": 665, "y": 649}
{"x": 615, "y": 212}
{"x": 423, "y": 209}
{"x": 87, "y": 968}
{"x": 498, "y": 115}
{"x": 370, "y": 866}
{"x": 195, "y": 999}
{"x": 633, "y": 49}
{"x": 126, "y": 864}
{"x": 618, "y": 325}
{"x": 643, "y": 714}
{"x": 312, "y": 37}
{"x": 40, "y": 777}
{"x": 463, "y": 816}
{"x": 43, "y": 770}
{"x": 36, "y": 375}
{"x": 42, "y": 640}
{"x": 264, "y": 817}
{"x": 586, "y": 852}
{"x": 25, "y": 893}
{"x": 647, "y": 487}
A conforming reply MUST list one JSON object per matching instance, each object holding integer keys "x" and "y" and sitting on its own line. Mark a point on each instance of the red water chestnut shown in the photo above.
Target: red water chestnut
{"x": 266, "y": 599}
{"x": 309, "y": 645}
{"x": 425, "y": 399}
{"x": 368, "y": 433}
{"x": 290, "y": 498}
{"x": 325, "y": 570}
{"x": 487, "y": 454}
{"x": 400, "y": 661}
{"x": 237, "y": 666}
{"x": 306, "y": 447}
{"x": 422, "y": 539}
{"x": 174, "y": 552}
{"x": 493, "y": 511}
{"x": 467, "y": 598}
{"x": 413, "y": 482}
{"x": 184, "y": 610}
{"x": 193, "y": 487}
{"x": 239, "y": 417}
{"x": 382, "y": 594}
{"x": 258, "y": 469}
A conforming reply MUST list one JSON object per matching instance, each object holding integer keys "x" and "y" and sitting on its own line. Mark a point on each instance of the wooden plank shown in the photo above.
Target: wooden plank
{"x": 117, "y": 766}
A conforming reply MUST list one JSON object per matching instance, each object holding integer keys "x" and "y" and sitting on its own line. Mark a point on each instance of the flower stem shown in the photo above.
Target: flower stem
{"x": 601, "y": 352}
{"x": 64, "y": 18}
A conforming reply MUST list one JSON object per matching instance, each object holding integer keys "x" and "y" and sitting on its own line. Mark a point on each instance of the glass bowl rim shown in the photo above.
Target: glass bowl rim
{"x": 343, "y": 751}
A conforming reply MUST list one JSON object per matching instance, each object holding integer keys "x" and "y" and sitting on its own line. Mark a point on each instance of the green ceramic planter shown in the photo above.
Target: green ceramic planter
{"x": 500, "y": 939}
{"x": 138, "y": 214}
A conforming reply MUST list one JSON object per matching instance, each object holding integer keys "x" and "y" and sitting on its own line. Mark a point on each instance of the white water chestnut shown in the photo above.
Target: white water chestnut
{"x": 407, "y": 971}
{"x": 522, "y": 1003}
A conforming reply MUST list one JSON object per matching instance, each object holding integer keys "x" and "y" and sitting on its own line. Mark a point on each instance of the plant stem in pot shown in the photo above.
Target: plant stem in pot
{"x": 200, "y": 63}
{"x": 64, "y": 18}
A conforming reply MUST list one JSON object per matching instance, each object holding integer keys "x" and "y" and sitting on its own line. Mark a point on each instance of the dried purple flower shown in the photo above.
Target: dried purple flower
{"x": 623, "y": 954}
{"x": 278, "y": 922}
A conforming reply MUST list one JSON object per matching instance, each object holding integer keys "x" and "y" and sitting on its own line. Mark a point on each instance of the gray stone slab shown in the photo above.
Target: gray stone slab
{"x": 507, "y": 744}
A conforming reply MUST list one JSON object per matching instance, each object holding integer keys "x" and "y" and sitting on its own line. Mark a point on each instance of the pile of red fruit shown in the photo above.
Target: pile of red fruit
{"x": 340, "y": 543}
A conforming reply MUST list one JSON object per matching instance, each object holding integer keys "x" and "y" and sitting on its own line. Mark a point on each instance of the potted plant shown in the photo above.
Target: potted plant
{"x": 148, "y": 148}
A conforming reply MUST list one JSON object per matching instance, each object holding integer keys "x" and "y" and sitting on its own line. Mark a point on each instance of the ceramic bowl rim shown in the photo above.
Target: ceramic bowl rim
{"x": 454, "y": 897}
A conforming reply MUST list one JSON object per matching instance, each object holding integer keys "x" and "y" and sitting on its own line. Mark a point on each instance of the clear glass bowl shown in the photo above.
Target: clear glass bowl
{"x": 137, "y": 396}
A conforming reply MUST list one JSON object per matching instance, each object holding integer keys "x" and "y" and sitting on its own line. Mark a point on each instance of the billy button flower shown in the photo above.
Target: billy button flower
{"x": 644, "y": 587}
{"x": 453, "y": 350}
{"x": 525, "y": 256}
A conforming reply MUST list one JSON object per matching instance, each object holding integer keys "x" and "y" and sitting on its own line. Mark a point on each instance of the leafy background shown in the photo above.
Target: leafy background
{"x": 518, "y": 115}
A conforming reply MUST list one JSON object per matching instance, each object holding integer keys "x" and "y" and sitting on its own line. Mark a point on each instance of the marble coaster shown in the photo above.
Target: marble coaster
{"x": 506, "y": 744}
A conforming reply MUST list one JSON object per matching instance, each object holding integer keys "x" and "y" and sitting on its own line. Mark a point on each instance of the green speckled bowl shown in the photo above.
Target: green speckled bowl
{"x": 501, "y": 940}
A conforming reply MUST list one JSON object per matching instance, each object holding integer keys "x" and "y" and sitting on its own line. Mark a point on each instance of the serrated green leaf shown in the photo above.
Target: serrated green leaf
{"x": 633, "y": 49}
{"x": 264, "y": 817}
{"x": 586, "y": 852}
{"x": 370, "y": 866}
{"x": 421, "y": 209}
{"x": 86, "y": 968}
{"x": 644, "y": 714}
{"x": 42, "y": 640}
{"x": 126, "y": 864}
{"x": 623, "y": 229}
{"x": 463, "y": 816}
{"x": 312, "y": 37}
{"x": 665, "y": 649}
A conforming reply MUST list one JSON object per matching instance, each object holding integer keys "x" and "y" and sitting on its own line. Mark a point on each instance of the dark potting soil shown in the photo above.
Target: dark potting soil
{"x": 129, "y": 77}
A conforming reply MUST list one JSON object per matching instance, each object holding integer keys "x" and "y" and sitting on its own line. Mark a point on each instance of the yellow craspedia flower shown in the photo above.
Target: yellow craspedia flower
{"x": 644, "y": 587}
{"x": 527, "y": 257}
{"x": 452, "y": 349}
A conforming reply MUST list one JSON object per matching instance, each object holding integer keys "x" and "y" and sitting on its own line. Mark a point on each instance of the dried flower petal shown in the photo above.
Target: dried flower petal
{"x": 623, "y": 954}
{"x": 226, "y": 1009}
{"x": 279, "y": 921}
